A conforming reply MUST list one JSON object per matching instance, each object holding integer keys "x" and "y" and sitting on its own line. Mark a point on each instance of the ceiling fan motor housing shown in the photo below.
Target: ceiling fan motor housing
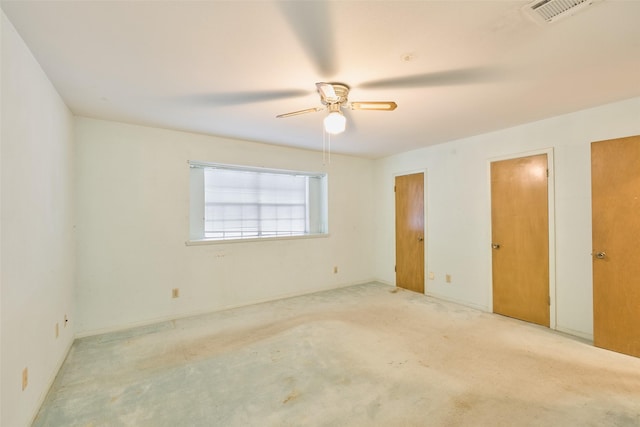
{"x": 339, "y": 95}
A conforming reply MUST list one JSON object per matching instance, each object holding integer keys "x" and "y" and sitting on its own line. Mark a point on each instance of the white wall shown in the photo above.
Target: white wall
{"x": 458, "y": 207}
{"x": 37, "y": 250}
{"x": 133, "y": 221}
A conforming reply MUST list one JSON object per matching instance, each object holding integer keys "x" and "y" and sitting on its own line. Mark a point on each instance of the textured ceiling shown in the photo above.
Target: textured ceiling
{"x": 455, "y": 68}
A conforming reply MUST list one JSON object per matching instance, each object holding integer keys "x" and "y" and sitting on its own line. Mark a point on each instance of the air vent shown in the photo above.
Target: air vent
{"x": 548, "y": 11}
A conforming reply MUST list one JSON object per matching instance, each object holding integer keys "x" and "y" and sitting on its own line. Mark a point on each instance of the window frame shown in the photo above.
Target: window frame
{"x": 197, "y": 203}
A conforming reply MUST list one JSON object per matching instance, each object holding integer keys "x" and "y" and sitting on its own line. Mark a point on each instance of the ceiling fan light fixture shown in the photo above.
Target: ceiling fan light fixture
{"x": 335, "y": 123}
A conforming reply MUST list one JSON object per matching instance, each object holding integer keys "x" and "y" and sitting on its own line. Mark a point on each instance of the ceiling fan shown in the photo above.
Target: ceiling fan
{"x": 334, "y": 97}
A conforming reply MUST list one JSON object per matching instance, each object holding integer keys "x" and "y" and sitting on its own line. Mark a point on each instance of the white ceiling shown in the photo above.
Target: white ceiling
{"x": 457, "y": 68}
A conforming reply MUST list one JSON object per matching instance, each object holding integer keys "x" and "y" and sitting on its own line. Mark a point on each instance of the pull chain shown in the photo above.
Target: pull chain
{"x": 326, "y": 147}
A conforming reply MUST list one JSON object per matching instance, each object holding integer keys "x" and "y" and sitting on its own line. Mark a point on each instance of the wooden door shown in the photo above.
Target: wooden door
{"x": 410, "y": 232}
{"x": 520, "y": 238}
{"x": 615, "y": 198}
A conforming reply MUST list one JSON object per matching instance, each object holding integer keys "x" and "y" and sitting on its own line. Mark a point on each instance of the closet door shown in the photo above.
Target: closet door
{"x": 410, "y": 232}
{"x": 520, "y": 238}
{"x": 615, "y": 198}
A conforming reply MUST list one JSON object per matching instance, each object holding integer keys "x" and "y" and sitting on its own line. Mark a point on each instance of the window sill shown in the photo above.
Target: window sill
{"x": 253, "y": 239}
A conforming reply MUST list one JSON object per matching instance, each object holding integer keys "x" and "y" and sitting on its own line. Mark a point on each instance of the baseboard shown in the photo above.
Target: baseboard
{"x": 193, "y": 313}
{"x": 573, "y": 332}
{"x": 569, "y": 331}
{"x": 458, "y": 301}
{"x": 52, "y": 379}
{"x": 443, "y": 297}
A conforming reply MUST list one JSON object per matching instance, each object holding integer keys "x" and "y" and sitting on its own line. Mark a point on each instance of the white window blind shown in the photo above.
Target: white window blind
{"x": 233, "y": 202}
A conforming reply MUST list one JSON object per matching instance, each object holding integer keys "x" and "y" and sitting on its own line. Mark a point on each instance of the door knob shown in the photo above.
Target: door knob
{"x": 600, "y": 255}
{"x": 495, "y": 245}
{"x": 420, "y": 239}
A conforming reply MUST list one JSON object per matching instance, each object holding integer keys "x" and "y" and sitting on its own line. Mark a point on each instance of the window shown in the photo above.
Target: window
{"x": 236, "y": 202}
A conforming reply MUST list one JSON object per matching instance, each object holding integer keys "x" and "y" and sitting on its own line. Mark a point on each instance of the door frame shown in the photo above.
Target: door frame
{"x": 552, "y": 228}
{"x": 424, "y": 210}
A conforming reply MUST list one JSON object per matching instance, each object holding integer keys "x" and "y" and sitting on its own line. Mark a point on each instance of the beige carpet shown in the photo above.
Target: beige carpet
{"x": 360, "y": 356}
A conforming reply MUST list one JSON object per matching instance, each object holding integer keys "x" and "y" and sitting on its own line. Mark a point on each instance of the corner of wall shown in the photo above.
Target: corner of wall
{"x": 37, "y": 267}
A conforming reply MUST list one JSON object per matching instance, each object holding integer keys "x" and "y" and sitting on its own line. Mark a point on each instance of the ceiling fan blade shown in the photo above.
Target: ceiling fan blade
{"x": 295, "y": 113}
{"x": 238, "y": 98}
{"x": 311, "y": 22}
{"x": 374, "y": 105}
{"x": 439, "y": 78}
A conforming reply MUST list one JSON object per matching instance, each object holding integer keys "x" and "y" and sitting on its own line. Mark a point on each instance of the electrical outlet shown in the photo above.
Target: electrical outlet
{"x": 447, "y": 278}
{"x": 57, "y": 329}
{"x": 432, "y": 276}
{"x": 335, "y": 270}
{"x": 175, "y": 293}
{"x": 25, "y": 378}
